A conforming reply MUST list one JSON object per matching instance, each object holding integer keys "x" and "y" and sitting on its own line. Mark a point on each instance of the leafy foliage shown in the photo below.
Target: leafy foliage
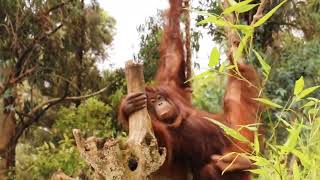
{"x": 48, "y": 158}
{"x": 208, "y": 93}
{"x": 92, "y": 116}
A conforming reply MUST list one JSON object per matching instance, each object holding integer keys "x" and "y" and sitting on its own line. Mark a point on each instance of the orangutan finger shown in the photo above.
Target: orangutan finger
{"x": 134, "y": 95}
{"x": 140, "y": 103}
{"x": 137, "y": 98}
{"x": 141, "y": 107}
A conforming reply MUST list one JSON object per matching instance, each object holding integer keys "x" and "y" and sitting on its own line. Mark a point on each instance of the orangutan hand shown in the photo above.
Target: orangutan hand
{"x": 232, "y": 162}
{"x": 134, "y": 102}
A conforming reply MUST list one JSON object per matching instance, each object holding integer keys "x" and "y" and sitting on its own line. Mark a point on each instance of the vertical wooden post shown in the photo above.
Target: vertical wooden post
{"x": 139, "y": 122}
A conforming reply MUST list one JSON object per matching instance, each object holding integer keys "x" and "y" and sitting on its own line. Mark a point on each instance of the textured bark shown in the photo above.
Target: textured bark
{"x": 139, "y": 122}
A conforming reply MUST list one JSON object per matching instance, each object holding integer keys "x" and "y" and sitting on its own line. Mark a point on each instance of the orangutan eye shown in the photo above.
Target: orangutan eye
{"x": 152, "y": 100}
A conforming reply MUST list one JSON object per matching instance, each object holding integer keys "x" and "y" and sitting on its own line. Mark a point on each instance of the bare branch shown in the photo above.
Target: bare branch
{"x": 259, "y": 13}
{"x": 73, "y": 98}
{"x": 23, "y": 75}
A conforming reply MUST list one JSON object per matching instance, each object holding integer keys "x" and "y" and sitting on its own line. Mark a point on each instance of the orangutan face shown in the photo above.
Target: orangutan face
{"x": 164, "y": 108}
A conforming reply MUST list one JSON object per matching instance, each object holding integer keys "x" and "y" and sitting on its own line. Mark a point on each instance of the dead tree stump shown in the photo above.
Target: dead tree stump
{"x": 135, "y": 159}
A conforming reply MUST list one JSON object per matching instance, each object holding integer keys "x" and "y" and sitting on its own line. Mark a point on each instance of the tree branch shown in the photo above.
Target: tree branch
{"x": 22, "y": 75}
{"x": 259, "y": 13}
{"x": 73, "y": 98}
{"x": 60, "y": 5}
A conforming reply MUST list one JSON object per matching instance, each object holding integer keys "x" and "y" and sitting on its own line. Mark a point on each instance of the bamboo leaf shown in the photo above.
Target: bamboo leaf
{"x": 259, "y": 161}
{"x": 244, "y": 28}
{"x": 298, "y": 86}
{"x": 261, "y": 172}
{"x": 241, "y": 46}
{"x": 296, "y": 171}
{"x": 246, "y": 8}
{"x": 268, "y": 15}
{"x": 304, "y": 159}
{"x": 293, "y": 137}
{"x": 268, "y": 102}
{"x": 202, "y": 75}
{"x": 308, "y": 104}
{"x": 214, "y": 57}
{"x": 235, "y": 7}
{"x": 265, "y": 66}
{"x": 221, "y": 68}
{"x": 215, "y": 20}
{"x": 229, "y": 131}
{"x": 307, "y": 91}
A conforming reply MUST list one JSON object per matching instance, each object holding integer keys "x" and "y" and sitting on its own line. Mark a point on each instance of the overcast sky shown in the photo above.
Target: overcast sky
{"x": 131, "y": 13}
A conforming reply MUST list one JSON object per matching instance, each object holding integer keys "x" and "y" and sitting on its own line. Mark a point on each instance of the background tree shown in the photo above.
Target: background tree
{"x": 39, "y": 43}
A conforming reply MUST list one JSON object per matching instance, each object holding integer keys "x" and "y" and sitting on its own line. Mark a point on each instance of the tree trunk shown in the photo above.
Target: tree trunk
{"x": 7, "y": 131}
{"x": 7, "y": 126}
{"x": 80, "y": 52}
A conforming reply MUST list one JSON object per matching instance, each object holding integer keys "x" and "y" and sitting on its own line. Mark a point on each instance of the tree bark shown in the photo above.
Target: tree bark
{"x": 139, "y": 122}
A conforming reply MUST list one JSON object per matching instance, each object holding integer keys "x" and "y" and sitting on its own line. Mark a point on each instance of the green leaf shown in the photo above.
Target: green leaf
{"x": 214, "y": 57}
{"x": 261, "y": 172}
{"x": 229, "y": 131}
{"x": 292, "y": 140}
{"x": 308, "y": 104}
{"x": 268, "y": 102}
{"x": 215, "y": 20}
{"x": 241, "y": 46}
{"x": 304, "y": 159}
{"x": 221, "y": 68}
{"x": 244, "y": 28}
{"x": 298, "y": 86}
{"x": 259, "y": 161}
{"x": 256, "y": 143}
{"x": 313, "y": 111}
{"x": 268, "y": 15}
{"x": 307, "y": 91}
{"x": 246, "y": 8}
{"x": 265, "y": 66}
{"x": 296, "y": 171}
{"x": 235, "y": 7}
{"x": 200, "y": 76}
